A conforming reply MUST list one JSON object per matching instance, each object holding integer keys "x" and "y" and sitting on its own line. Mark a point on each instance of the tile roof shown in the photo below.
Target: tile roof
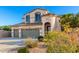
{"x": 26, "y": 24}
{"x": 36, "y": 9}
{"x": 49, "y": 14}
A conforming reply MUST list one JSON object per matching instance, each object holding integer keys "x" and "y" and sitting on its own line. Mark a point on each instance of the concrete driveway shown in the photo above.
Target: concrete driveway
{"x": 9, "y": 45}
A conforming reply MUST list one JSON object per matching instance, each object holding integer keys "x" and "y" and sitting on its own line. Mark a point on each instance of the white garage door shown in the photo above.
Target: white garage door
{"x": 33, "y": 33}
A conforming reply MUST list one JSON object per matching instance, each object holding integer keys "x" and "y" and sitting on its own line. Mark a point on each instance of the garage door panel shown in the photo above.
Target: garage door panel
{"x": 24, "y": 33}
{"x": 16, "y": 33}
{"x": 33, "y": 33}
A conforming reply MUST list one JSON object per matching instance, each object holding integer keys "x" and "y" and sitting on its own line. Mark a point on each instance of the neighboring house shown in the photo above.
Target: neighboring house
{"x": 36, "y": 23}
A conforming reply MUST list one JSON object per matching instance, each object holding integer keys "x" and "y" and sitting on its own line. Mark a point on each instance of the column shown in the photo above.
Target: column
{"x": 19, "y": 32}
{"x": 12, "y": 33}
{"x": 40, "y": 32}
{"x": 53, "y": 24}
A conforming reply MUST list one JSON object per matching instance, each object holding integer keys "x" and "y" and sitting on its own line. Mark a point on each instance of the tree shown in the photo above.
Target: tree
{"x": 74, "y": 22}
{"x": 66, "y": 19}
{"x": 6, "y": 28}
{"x": 77, "y": 16}
{"x": 70, "y": 20}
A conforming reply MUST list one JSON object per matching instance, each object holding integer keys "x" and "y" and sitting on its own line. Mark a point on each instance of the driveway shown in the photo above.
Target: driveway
{"x": 9, "y": 45}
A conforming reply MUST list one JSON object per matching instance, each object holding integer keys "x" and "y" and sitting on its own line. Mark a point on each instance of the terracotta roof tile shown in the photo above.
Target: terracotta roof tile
{"x": 26, "y": 24}
{"x": 49, "y": 14}
{"x": 36, "y": 9}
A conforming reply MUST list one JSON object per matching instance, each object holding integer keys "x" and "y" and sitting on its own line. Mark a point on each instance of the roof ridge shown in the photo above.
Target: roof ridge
{"x": 36, "y": 9}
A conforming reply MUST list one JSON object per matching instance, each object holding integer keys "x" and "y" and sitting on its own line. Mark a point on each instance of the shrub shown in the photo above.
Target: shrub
{"x": 40, "y": 38}
{"x": 23, "y": 50}
{"x": 31, "y": 43}
{"x": 77, "y": 51}
{"x": 59, "y": 42}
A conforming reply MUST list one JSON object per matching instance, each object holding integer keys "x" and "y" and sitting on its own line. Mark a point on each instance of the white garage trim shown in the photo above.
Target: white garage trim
{"x": 12, "y": 33}
{"x": 20, "y": 32}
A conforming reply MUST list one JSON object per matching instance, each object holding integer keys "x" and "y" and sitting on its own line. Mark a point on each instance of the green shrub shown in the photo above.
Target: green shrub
{"x": 59, "y": 42}
{"x": 40, "y": 38}
{"x": 23, "y": 50}
{"x": 77, "y": 51}
{"x": 31, "y": 43}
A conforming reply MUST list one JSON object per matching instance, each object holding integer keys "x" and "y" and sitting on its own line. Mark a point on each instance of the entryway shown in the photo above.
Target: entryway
{"x": 47, "y": 27}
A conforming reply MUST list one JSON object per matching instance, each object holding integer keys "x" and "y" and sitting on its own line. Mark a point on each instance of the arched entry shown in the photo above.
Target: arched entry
{"x": 47, "y": 27}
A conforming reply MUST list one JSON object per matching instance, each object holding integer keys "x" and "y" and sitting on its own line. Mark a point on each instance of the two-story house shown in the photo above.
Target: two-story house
{"x": 36, "y": 23}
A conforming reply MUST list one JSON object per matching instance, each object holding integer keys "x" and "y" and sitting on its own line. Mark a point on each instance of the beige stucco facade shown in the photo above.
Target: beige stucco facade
{"x": 46, "y": 17}
{"x": 32, "y": 15}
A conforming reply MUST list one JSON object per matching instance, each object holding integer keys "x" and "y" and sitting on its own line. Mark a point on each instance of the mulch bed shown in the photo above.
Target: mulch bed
{"x": 41, "y": 48}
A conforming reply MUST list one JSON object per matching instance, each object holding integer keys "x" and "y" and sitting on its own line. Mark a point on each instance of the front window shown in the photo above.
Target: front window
{"x": 27, "y": 19}
{"x": 37, "y": 17}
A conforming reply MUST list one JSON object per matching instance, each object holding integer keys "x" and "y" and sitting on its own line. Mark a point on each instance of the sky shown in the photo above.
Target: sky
{"x": 10, "y": 15}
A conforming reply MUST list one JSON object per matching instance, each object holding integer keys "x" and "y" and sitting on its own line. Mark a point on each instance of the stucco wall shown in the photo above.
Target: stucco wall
{"x": 49, "y": 19}
{"x": 4, "y": 34}
{"x": 53, "y": 20}
{"x": 32, "y": 15}
{"x": 57, "y": 25}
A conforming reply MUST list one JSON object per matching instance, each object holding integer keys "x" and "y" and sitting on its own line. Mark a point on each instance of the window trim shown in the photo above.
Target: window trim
{"x": 28, "y": 21}
{"x": 36, "y": 18}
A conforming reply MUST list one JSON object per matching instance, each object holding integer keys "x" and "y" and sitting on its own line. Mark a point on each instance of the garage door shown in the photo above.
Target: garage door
{"x": 16, "y": 33}
{"x": 33, "y": 33}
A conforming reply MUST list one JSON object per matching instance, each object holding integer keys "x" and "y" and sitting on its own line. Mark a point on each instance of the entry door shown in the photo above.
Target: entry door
{"x": 47, "y": 27}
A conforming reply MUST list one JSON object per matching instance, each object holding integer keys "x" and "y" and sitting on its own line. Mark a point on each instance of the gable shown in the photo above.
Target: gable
{"x": 32, "y": 14}
{"x": 43, "y": 11}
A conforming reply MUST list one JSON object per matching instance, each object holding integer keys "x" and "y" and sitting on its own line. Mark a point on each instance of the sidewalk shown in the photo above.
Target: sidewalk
{"x": 8, "y": 48}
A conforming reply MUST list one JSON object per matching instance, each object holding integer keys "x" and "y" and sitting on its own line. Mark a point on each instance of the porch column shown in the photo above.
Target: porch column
{"x": 19, "y": 32}
{"x": 53, "y": 24}
{"x": 41, "y": 32}
{"x": 12, "y": 33}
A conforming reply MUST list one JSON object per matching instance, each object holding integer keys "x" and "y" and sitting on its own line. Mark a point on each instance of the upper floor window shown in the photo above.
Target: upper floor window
{"x": 28, "y": 19}
{"x": 37, "y": 17}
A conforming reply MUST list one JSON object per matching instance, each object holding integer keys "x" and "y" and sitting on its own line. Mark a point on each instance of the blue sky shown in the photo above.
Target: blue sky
{"x": 10, "y": 15}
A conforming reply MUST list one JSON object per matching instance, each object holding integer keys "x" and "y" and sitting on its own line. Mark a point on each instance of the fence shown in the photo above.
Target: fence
{"x": 4, "y": 34}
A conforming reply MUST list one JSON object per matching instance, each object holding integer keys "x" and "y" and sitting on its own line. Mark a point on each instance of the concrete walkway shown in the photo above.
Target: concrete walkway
{"x": 8, "y": 48}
